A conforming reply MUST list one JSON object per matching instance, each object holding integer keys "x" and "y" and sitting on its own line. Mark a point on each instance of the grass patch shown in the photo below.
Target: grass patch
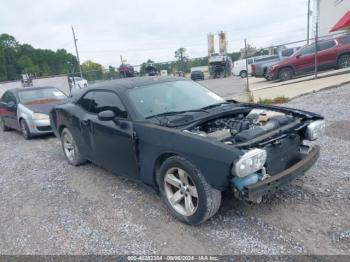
{"x": 249, "y": 94}
{"x": 276, "y": 100}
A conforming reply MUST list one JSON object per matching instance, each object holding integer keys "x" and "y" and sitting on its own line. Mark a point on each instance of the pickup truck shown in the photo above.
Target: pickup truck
{"x": 331, "y": 54}
{"x": 259, "y": 68}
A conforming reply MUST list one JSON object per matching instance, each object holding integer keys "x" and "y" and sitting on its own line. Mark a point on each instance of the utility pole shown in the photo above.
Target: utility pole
{"x": 182, "y": 60}
{"x": 121, "y": 59}
{"x": 308, "y": 21}
{"x": 76, "y": 51}
{"x": 316, "y": 43}
{"x": 246, "y": 62}
{"x": 316, "y": 37}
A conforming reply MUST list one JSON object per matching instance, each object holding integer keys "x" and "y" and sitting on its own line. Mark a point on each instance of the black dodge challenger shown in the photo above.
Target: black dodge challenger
{"x": 186, "y": 142}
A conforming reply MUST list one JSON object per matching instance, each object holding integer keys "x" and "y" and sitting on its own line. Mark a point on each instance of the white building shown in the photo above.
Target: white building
{"x": 332, "y": 14}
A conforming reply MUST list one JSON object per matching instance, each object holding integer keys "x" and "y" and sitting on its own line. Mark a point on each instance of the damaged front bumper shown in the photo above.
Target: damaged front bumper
{"x": 255, "y": 191}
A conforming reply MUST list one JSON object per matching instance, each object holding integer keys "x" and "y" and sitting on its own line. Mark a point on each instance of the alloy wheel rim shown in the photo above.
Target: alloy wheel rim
{"x": 345, "y": 62}
{"x": 2, "y": 124}
{"x": 180, "y": 191}
{"x": 24, "y": 130}
{"x": 286, "y": 75}
{"x": 68, "y": 146}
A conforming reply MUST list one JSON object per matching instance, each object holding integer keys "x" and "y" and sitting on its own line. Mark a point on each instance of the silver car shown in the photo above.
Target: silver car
{"x": 27, "y": 109}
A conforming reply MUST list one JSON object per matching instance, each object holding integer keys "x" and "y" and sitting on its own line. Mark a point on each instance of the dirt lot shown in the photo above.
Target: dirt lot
{"x": 49, "y": 207}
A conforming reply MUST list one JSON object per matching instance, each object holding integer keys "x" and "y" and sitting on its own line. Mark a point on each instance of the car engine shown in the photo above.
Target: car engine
{"x": 242, "y": 128}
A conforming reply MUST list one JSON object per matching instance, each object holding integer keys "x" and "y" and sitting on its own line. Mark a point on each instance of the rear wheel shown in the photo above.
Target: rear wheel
{"x": 265, "y": 72}
{"x": 285, "y": 74}
{"x": 344, "y": 61}
{"x": 243, "y": 74}
{"x": 185, "y": 191}
{"x": 25, "y": 130}
{"x": 70, "y": 149}
{"x": 3, "y": 126}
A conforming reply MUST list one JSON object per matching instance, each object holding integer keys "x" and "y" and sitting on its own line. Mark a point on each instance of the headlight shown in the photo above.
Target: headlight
{"x": 315, "y": 129}
{"x": 250, "y": 162}
{"x": 39, "y": 116}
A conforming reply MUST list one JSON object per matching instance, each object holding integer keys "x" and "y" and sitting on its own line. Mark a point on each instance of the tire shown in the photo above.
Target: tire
{"x": 265, "y": 72}
{"x": 195, "y": 200}
{"x": 70, "y": 149}
{"x": 3, "y": 127}
{"x": 268, "y": 78}
{"x": 285, "y": 74}
{"x": 243, "y": 74}
{"x": 344, "y": 61}
{"x": 25, "y": 130}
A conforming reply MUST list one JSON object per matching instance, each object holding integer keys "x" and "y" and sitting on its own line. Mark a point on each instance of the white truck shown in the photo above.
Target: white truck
{"x": 239, "y": 66}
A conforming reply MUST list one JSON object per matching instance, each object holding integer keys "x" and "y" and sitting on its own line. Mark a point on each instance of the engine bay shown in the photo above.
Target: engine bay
{"x": 242, "y": 127}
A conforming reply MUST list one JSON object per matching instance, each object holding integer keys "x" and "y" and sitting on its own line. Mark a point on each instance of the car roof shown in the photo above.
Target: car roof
{"x": 133, "y": 82}
{"x": 18, "y": 89}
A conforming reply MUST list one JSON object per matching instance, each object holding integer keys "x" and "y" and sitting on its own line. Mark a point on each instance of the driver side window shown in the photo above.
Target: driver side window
{"x": 85, "y": 101}
{"x": 95, "y": 102}
{"x": 103, "y": 101}
{"x": 308, "y": 50}
{"x": 4, "y": 97}
{"x": 9, "y": 97}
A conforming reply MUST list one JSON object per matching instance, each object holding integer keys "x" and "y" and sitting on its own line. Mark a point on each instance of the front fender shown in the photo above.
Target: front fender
{"x": 26, "y": 114}
{"x": 213, "y": 159}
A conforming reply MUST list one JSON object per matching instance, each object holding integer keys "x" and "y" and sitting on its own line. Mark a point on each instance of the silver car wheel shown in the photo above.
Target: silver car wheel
{"x": 181, "y": 191}
{"x": 68, "y": 145}
{"x": 2, "y": 124}
{"x": 24, "y": 129}
{"x": 344, "y": 61}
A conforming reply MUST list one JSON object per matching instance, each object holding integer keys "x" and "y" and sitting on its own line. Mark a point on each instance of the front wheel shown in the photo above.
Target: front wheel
{"x": 25, "y": 130}
{"x": 185, "y": 191}
{"x": 285, "y": 74}
{"x": 243, "y": 74}
{"x": 70, "y": 149}
{"x": 344, "y": 61}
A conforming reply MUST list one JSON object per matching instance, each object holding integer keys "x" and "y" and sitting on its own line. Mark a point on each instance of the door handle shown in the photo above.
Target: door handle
{"x": 88, "y": 125}
{"x": 86, "y": 122}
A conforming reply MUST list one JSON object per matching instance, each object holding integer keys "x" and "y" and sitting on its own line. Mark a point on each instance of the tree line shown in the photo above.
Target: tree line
{"x": 17, "y": 59}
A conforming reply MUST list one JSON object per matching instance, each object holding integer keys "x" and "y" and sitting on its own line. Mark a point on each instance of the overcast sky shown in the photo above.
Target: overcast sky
{"x": 139, "y": 29}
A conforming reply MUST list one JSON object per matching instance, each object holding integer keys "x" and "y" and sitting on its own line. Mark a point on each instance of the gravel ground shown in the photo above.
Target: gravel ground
{"x": 49, "y": 207}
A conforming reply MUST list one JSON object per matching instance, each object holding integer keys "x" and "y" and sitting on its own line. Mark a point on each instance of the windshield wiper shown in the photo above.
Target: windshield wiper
{"x": 172, "y": 113}
{"x": 215, "y": 105}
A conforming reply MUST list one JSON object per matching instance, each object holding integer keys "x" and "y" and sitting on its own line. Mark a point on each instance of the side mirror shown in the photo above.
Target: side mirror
{"x": 107, "y": 115}
{"x": 298, "y": 56}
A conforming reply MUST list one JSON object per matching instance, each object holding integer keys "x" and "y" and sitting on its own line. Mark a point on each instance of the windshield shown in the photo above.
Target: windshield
{"x": 175, "y": 96}
{"x": 40, "y": 95}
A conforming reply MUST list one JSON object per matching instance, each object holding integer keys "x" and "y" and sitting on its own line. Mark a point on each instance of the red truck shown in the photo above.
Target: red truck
{"x": 332, "y": 53}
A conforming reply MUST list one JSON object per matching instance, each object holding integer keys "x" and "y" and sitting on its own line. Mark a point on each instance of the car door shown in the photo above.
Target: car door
{"x": 81, "y": 124}
{"x": 326, "y": 54}
{"x": 3, "y": 107}
{"x": 9, "y": 109}
{"x": 305, "y": 59}
{"x": 112, "y": 141}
